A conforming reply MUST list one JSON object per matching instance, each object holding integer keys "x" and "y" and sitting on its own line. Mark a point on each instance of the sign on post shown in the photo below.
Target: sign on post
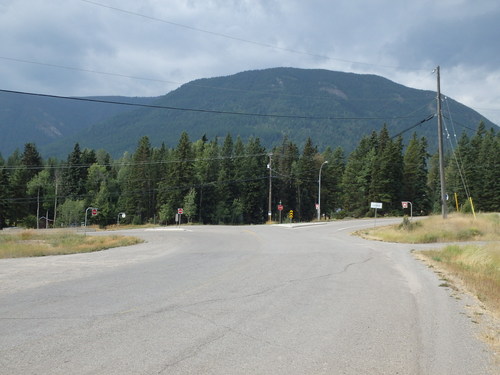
{"x": 94, "y": 211}
{"x": 280, "y": 207}
{"x": 376, "y": 206}
{"x": 405, "y": 205}
{"x": 180, "y": 211}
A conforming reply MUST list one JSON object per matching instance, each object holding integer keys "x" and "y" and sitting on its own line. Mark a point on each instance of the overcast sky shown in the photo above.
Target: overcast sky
{"x": 150, "y": 47}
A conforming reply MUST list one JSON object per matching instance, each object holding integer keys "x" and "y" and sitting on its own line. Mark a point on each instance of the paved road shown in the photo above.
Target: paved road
{"x": 235, "y": 300}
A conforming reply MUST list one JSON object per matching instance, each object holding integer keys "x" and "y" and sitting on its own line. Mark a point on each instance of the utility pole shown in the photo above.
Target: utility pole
{"x": 444, "y": 209}
{"x": 269, "y": 213}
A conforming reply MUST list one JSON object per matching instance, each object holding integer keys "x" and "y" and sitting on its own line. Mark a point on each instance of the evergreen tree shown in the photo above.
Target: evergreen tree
{"x": 23, "y": 204}
{"x": 285, "y": 159}
{"x": 180, "y": 178}
{"x": 4, "y": 194}
{"x": 415, "y": 172}
{"x": 307, "y": 182}
{"x": 225, "y": 192}
{"x": 254, "y": 182}
{"x": 138, "y": 190}
{"x": 357, "y": 177}
{"x": 74, "y": 175}
{"x": 331, "y": 181}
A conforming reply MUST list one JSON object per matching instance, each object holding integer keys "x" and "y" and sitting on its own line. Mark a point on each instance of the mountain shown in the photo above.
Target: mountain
{"x": 42, "y": 120}
{"x": 333, "y": 108}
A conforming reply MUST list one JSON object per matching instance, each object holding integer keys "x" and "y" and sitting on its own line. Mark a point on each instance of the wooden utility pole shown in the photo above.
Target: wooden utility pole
{"x": 444, "y": 209}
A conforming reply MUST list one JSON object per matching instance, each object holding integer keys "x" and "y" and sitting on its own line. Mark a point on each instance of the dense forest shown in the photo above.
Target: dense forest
{"x": 227, "y": 181}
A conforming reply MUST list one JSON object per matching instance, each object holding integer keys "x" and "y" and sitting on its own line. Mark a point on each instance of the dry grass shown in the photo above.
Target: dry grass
{"x": 477, "y": 266}
{"x": 457, "y": 227}
{"x": 31, "y": 243}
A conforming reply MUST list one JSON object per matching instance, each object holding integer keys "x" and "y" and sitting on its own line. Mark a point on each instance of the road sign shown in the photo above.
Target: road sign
{"x": 280, "y": 207}
{"x": 180, "y": 211}
{"x": 404, "y": 204}
{"x": 290, "y": 214}
{"x": 375, "y": 205}
{"x": 94, "y": 211}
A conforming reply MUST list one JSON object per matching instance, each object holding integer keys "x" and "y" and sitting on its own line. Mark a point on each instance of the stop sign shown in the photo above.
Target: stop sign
{"x": 405, "y": 204}
{"x": 94, "y": 211}
{"x": 180, "y": 211}
{"x": 280, "y": 207}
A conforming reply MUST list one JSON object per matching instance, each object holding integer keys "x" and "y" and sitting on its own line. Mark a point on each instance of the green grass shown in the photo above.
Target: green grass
{"x": 32, "y": 243}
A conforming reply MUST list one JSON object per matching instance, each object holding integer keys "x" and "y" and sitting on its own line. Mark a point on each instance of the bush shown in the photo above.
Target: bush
{"x": 408, "y": 224}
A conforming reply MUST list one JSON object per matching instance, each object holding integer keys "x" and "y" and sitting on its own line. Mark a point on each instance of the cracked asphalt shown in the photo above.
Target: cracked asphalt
{"x": 236, "y": 300}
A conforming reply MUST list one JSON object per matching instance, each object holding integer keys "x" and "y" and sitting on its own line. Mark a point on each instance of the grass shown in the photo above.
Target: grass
{"x": 435, "y": 229}
{"x": 473, "y": 267}
{"x": 477, "y": 266}
{"x": 33, "y": 243}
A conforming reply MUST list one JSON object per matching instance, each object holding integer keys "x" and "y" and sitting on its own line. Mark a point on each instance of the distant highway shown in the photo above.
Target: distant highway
{"x": 262, "y": 299}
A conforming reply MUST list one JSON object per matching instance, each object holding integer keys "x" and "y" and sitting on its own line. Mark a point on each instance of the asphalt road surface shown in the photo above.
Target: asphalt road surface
{"x": 236, "y": 300}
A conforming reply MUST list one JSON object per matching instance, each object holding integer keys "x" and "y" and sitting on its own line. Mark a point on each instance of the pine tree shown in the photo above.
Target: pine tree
{"x": 253, "y": 182}
{"x": 225, "y": 191}
{"x": 138, "y": 191}
{"x": 285, "y": 158}
{"x": 307, "y": 177}
{"x": 331, "y": 181}
{"x": 357, "y": 177}
{"x": 23, "y": 204}
{"x": 415, "y": 172}
{"x": 180, "y": 176}
{"x": 4, "y": 194}
{"x": 74, "y": 175}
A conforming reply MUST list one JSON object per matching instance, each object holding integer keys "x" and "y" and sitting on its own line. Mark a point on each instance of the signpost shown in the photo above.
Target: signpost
{"x": 405, "y": 205}
{"x": 376, "y": 206}
{"x": 94, "y": 213}
{"x": 280, "y": 208}
{"x": 178, "y": 217}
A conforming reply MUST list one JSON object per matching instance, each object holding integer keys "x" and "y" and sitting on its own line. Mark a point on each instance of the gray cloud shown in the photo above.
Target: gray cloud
{"x": 180, "y": 40}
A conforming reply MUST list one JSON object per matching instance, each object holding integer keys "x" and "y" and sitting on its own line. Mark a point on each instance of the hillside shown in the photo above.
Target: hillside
{"x": 333, "y": 108}
{"x": 43, "y": 120}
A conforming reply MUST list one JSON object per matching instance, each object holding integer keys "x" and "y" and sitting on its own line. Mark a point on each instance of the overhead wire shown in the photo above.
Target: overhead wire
{"x": 200, "y": 110}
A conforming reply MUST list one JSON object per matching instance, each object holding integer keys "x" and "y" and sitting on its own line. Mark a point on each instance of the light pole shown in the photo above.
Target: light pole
{"x": 120, "y": 215}
{"x": 269, "y": 213}
{"x": 319, "y": 189}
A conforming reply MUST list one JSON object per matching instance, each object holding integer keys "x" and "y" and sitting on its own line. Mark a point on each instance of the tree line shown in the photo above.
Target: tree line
{"x": 228, "y": 181}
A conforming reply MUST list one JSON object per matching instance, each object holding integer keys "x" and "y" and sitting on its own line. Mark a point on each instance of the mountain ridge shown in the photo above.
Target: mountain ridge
{"x": 333, "y": 108}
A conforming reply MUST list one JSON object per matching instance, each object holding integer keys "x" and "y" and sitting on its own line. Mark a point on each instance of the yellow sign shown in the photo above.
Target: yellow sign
{"x": 290, "y": 214}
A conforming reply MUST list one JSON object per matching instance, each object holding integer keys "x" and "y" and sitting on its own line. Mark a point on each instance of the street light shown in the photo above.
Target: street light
{"x": 120, "y": 215}
{"x": 319, "y": 189}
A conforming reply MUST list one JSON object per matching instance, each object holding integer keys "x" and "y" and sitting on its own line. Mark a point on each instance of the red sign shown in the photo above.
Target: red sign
{"x": 280, "y": 207}
{"x": 405, "y": 204}
{"x": 94, "y": 211}
{"x": 180, "y": 211}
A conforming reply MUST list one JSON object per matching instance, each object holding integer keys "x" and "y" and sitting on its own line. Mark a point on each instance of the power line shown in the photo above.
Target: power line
{"x": 199, "y": 110}
{"x": 428, "y": 118}
{"x": 238, "y": 39}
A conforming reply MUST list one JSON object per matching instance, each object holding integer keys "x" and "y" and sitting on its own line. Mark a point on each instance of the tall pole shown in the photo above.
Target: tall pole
{"x": 319, "y": 190}
{"x": 270, "y": 188}
{"x": 440, "y": 147}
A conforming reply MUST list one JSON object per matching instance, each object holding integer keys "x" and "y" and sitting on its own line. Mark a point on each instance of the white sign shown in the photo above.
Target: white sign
{"x": 375, "y": 205}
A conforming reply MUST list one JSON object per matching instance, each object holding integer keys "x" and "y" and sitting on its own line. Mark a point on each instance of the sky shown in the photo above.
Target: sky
{"x": 151, "y": 47}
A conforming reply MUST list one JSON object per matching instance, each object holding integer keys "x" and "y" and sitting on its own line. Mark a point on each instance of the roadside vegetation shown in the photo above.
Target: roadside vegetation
{"x": 32, "y": 243}
{"x": 435, "y": 229}
{"x": 476, "y": 265}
